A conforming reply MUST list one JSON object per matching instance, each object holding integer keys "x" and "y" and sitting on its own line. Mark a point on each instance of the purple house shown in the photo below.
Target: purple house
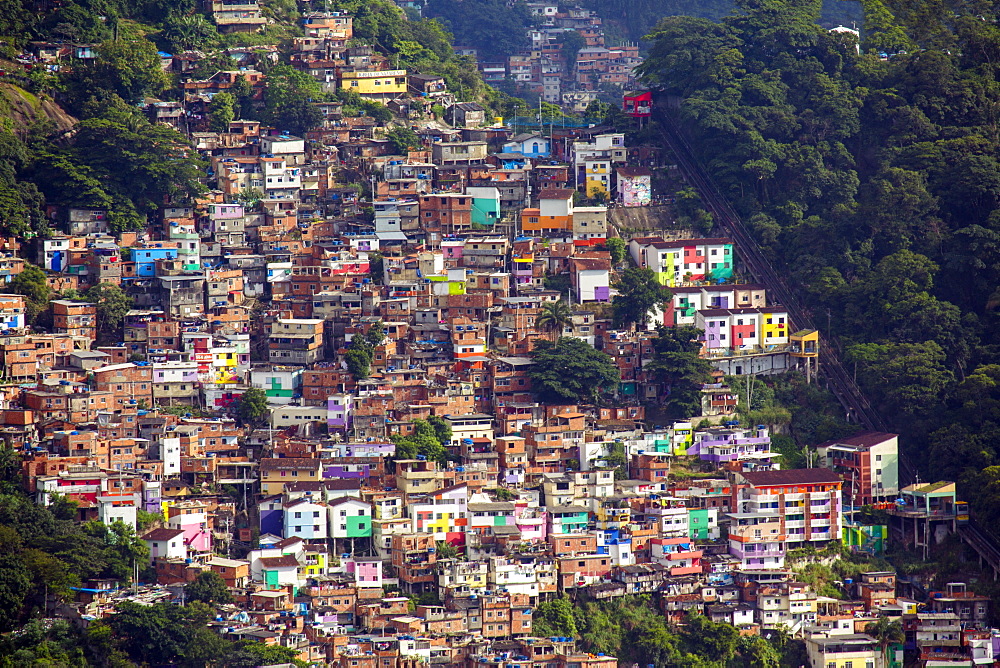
{"x": 715, "y": 334}
{"x": 340, "y": 411}
{"x": 349, "y": 467}
{"x": 272, "y": 516}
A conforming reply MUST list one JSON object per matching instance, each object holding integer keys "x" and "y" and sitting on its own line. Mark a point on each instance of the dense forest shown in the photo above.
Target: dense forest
{"x": 633, "y": 19}
{"x": 868, "y": 173}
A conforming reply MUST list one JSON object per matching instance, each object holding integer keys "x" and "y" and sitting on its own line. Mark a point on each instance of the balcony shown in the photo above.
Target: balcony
{"x": 762, "y": 553}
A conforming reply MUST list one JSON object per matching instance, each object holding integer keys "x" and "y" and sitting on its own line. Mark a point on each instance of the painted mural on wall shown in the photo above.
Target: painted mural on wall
{"x": 635, "y": 191}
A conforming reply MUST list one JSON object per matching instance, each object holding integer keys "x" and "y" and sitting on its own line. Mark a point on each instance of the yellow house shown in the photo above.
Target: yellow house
{"x": 598, "y": 173}
{"x": 316, "y": 563}
{"x": 275, "y": 473}
{"x": 775, "y": 326}
{"x": 379, "y": 86}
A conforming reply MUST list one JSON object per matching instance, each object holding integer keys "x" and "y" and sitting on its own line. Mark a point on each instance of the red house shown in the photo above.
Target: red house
{"x": 637, "y": 104}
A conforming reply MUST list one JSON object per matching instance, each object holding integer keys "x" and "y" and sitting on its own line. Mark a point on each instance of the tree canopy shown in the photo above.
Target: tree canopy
{"x": 570, "y": 371}
{"x": 638, "y": 294}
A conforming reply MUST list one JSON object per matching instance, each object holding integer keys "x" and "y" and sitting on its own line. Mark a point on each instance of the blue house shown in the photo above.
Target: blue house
{"x": 531, "y": 145}
{"x": 145, "y": 259}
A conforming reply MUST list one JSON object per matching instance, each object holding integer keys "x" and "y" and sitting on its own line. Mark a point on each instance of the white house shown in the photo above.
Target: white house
{"x": 350, "y": 518}
{"x": 170, "y": 454}
{"x": 166, "y": 544}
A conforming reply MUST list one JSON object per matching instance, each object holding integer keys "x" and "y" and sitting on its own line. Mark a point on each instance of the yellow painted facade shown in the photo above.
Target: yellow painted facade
{"x": 378, "y": 85}
{"x": 775, "y": 328}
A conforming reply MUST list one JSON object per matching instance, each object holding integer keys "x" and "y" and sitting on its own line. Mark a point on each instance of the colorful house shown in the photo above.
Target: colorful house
{"x": 554, "y": 213}
{"x": 304, "y": 519}
{"x": 350, "y": 518}
{"x": 743, "y": 328}
{"x": 378, "y": 86}
{"x": 531, "y": 145}
{"x": 685, "y": 261}
{"x": 485, "y": 205}
{"x": 280, "y": 383}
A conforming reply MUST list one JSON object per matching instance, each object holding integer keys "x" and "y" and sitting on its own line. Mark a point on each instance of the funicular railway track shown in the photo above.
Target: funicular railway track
{"x": 980, "y": 540}
{"x": 856, "y": 405}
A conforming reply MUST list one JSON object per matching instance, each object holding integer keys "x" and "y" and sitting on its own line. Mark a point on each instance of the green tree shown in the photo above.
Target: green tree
{"x": 208, "y": 587}
{"x": 570, "y": 371}
{"x": 570, "y": 43}
{"x": 402, "y": 140}
{"x": 112, "y": 305}
{"x": 678, "y": 366}
{"x": 358, "y": 362}
{"x": 221, "y": 112}
{"x": 909, "y": 376}
{"x": 15, "y": 583}
{"x": 887, "y": 632}
{"x": 617, "y": 249}
{"x": 122, "y": 163}
{"x": 494, "y": 27}
{"x": 122, "y": 549}
{"x": 423, "y": 441}
{"x": 250, "y": 654}
{"x": 376, "y": 267}
{"x": 638, "y": 293}
{"x": 184, "y": 32}
{"x": 554, "y": 317}
{"x": 152, "y": 634}
{"x": 442, "y": 430}
{"x": 288, "y": 100}
{"x": 250, "y": 197}
{"x": 129, "y": 69}
{"x": 446, "y": 550}
{"x": 252, "y": 408}
{"x": 756, "y": 652}
{"x": 554, "y": 618}
{"x": 243, "y": 94}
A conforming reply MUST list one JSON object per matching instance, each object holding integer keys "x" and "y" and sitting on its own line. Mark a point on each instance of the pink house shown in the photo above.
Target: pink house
{"x": 197, "y": 536}
{"x": 367, "y": 571}
{"x": 680, "y": 555}
{"x": 452, "y": 250}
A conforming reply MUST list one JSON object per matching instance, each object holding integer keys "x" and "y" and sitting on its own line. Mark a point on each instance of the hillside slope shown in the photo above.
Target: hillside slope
{"x": 24, "y": 109}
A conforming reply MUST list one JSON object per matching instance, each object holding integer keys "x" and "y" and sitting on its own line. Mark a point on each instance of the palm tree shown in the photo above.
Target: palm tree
{"x": 555, "y": 316}
{"x": 886, "y": 632}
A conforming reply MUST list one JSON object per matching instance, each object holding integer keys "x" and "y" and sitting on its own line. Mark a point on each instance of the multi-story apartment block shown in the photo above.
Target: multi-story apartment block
{"x": 687, "y": 301}
{"x": 779, "y": 510}
{"x": 743, "y": 328}
{"x": 868, "y": 464}
{"x": 553, "y": 216}
{"x": 684, "y": 261}
{"x": 379, "y": 85}
{"x": 296, "y": 341}
{"x": 236, "y": 15}
{"x": 74, "y": 318}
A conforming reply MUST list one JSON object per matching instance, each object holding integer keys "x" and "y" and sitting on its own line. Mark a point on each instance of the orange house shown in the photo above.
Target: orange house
{"x": 554, "y": 212}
